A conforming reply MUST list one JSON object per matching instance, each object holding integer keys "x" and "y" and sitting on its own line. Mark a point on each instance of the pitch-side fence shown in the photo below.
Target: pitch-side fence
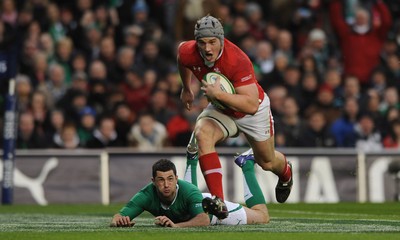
{"x": 114, "y": 175}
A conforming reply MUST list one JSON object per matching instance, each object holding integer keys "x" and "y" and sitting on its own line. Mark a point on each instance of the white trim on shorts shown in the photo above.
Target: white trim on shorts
{"x": 226, "y": 123}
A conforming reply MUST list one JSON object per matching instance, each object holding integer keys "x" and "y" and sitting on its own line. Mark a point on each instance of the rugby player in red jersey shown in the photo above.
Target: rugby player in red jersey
{"x": 247, "y": 111}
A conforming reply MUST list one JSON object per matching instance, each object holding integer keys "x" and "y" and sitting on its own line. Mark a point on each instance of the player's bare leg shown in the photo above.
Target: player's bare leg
{"x": 271, "y": 160}
{"x": 257, "y": 214}
{"x": 208, "y": 133}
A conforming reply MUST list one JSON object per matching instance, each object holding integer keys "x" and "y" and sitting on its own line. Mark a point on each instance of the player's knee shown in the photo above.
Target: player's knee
{"x": 264, "y": 215}
{"x": 260, "y": 214}
{"x": 266, "y": 218}
{"x": 204, "y": 134}
{"x": 263, "y": 218}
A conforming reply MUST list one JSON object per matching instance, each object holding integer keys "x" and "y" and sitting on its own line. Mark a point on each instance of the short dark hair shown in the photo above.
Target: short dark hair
{"x": 163, "y": 165}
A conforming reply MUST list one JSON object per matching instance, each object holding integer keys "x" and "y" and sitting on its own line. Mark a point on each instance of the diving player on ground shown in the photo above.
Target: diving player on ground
{"x": 177, "y": 203}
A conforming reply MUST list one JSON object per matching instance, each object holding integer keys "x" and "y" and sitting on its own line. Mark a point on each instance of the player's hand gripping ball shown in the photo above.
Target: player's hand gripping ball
{"x": 225, "y": 85}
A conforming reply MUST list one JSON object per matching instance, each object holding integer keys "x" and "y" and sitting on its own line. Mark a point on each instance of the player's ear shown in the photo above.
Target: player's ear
{"x": 152, "y": 179}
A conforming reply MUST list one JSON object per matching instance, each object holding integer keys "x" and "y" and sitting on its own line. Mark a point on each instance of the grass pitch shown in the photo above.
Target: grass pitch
{"x": 290, "y": 221}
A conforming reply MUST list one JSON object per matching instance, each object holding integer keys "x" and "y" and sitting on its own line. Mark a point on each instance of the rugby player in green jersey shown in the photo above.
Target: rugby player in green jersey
{"x": 178, "y": 203}
{"x": 173, "y": 202}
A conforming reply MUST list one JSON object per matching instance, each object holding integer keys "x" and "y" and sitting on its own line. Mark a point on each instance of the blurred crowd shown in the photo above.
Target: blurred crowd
{"x": 95, "y": 74}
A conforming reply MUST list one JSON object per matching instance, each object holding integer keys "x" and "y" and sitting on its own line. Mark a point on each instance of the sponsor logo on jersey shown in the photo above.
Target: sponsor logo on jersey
{"x": 246, "y": 78}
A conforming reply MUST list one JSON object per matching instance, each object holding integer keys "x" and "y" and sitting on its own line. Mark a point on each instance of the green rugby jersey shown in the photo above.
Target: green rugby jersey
{"x": 187, "y": 203}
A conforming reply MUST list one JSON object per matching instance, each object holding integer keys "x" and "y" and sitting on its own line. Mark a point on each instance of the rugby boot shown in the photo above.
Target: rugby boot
{"x": 282, "y": 189}
{"x": 241, "y": 158}
{"x": 215, "y": 206}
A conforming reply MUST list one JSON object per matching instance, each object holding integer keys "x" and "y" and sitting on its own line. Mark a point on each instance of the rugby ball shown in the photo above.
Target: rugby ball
{"x": 225, "y": 84}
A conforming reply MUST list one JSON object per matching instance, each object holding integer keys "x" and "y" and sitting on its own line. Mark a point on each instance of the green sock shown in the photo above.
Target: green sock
{"x": 252, "y": 191}
{"x": 191, "y": 170}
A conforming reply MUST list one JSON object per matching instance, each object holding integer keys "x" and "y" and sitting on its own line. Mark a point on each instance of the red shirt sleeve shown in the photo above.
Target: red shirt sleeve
{"x": 337, "y": 18}
{"x": 386, "y": 19}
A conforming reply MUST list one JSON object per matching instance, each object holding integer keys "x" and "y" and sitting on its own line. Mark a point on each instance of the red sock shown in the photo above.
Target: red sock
{"x": 211, "y": 168}
{"x": 286, "y": 173}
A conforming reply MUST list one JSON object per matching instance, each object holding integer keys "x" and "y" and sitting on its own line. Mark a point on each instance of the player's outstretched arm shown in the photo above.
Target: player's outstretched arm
{"x": 121, "y": 221}
{"x": 199, "y": 220}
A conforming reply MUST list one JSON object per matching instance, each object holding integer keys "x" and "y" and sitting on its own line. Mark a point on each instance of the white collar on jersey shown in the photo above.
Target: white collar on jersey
{"x": 211, "y": 64}
{"x": 166, "y": 207}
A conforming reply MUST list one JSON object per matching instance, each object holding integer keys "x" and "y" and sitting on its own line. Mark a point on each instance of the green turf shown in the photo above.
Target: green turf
{"x": 292, "y": 221}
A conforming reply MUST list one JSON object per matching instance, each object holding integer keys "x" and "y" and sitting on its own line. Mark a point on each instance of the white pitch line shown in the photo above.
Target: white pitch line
{"x": 333, "y": 214}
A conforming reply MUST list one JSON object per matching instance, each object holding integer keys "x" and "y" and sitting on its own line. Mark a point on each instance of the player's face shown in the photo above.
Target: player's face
{"x": 209, "y": 48}
{"x": 165, "y": 183}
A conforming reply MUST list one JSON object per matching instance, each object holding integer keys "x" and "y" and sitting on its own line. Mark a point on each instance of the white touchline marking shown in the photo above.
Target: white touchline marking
{"x": 331, "y": 213}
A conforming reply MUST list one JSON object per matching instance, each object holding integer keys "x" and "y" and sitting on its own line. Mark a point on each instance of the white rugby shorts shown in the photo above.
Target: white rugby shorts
{"x": 237, "y": 214}
{"x": 259, "y": 126}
